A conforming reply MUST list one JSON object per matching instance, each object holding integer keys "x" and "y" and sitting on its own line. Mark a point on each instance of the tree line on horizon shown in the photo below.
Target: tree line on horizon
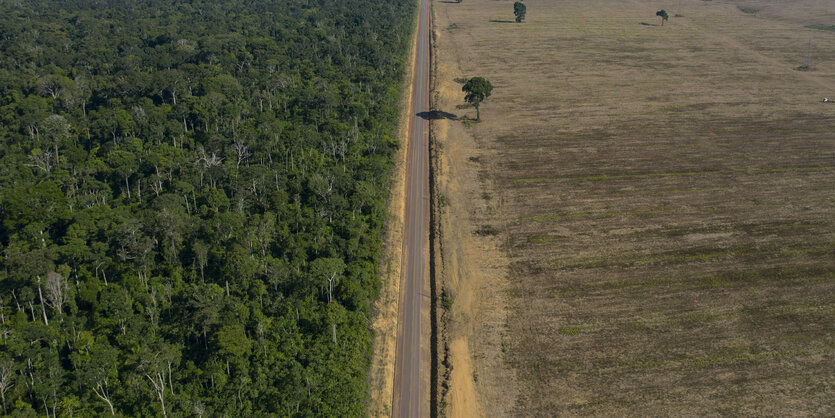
{"x": 192, "y": 197}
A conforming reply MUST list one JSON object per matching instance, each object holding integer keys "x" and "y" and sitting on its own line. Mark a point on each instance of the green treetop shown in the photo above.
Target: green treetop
{"x": 477, "y": 89}
{"x": 519, "y": 10}
{"x": 663, "y": 15}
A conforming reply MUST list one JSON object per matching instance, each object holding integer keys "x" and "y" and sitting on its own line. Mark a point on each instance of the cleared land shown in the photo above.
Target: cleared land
{"x": 665, "y": 198}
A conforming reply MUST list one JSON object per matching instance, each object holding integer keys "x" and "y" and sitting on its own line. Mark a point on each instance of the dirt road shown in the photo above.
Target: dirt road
{"x": 410, "y": 394}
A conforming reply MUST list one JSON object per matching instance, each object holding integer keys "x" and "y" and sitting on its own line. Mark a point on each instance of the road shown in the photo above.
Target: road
{"x": 410, "y": 379}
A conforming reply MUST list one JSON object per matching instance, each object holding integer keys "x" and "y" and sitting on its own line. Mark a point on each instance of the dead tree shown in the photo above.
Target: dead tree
{"x": 44, "y": 160}
{"x": 6, "y": 382}
{"x": 241, "y": 152}
{"x": 56, "y": 291}
{"x": 103, "y": 392}
{"x": 43, "y": 305}
{"x": 205, "y": 163}
{"x": 157, "y": 379}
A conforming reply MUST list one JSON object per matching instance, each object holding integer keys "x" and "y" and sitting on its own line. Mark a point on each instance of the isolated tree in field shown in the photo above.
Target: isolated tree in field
{"x": 477, "y": 89}
{"x": 519, "y": 10}
{"x": 663, "y": 15}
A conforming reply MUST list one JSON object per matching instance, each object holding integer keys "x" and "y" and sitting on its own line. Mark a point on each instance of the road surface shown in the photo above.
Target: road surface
{"x": 410, "y": 394}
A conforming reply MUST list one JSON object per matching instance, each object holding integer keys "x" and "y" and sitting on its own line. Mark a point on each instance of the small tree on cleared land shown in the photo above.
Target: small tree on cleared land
{"x": 477, "y": 89}
{"x": 663, "y": 15}
{"x": 519, "y": 10}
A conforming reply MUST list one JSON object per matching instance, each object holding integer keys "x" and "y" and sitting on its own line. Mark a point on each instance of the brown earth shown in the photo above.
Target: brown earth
{"x": 642, "y": 224}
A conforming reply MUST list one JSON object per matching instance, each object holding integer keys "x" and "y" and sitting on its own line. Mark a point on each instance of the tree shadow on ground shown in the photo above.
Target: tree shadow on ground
{"x": 437, "y": 114}
{"x": 649, "y": 24}
{"x": 451, "y": 2}
{"x": 502, "y": 21}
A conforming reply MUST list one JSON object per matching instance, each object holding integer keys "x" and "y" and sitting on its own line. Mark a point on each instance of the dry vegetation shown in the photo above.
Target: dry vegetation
{"x": 665, "y": 197}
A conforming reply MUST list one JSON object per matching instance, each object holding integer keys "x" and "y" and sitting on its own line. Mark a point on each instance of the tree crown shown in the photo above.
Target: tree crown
{"x": 477, "y": 89}
{"x": 519, "y": 10}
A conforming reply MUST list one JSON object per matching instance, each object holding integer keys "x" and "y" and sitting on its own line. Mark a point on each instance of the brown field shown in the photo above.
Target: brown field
{"x": 660, "y": 204}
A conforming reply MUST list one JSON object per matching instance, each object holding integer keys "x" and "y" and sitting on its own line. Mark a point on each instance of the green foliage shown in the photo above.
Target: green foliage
{"x": 663, "y": 15}
{"x": 749, "y": 10}
{"x": 570, "y": 331}
{"x": 487, "y": 230}
{"x": 232, "y": 341}
{"x": 822, "y": 27}
{"x": 477, "y": 89}
{"x": 519, "y": 10}
{"x": 446, "y": 300}
{"x": 192, "y": 196}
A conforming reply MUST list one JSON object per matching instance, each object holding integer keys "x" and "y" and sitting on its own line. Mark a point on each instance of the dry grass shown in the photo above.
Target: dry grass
{"x": 797, "y": 11}
{"x": 666, "y": 202}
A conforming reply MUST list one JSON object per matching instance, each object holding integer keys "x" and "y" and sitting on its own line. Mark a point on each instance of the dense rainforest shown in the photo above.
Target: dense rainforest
{"x": 192, "y": 196}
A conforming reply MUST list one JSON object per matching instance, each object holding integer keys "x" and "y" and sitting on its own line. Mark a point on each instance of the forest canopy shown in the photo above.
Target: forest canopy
{"x": 192, "y": 196}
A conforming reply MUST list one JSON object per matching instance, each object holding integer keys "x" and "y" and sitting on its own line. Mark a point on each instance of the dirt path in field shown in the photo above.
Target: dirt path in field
{"x": 473, "y": 269}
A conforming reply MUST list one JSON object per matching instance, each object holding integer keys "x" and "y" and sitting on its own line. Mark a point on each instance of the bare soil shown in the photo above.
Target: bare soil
{"x": 642, "y": 222}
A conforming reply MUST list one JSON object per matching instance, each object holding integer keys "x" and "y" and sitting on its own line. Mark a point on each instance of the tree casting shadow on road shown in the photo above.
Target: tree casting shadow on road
{"x": 437, "y": 114}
